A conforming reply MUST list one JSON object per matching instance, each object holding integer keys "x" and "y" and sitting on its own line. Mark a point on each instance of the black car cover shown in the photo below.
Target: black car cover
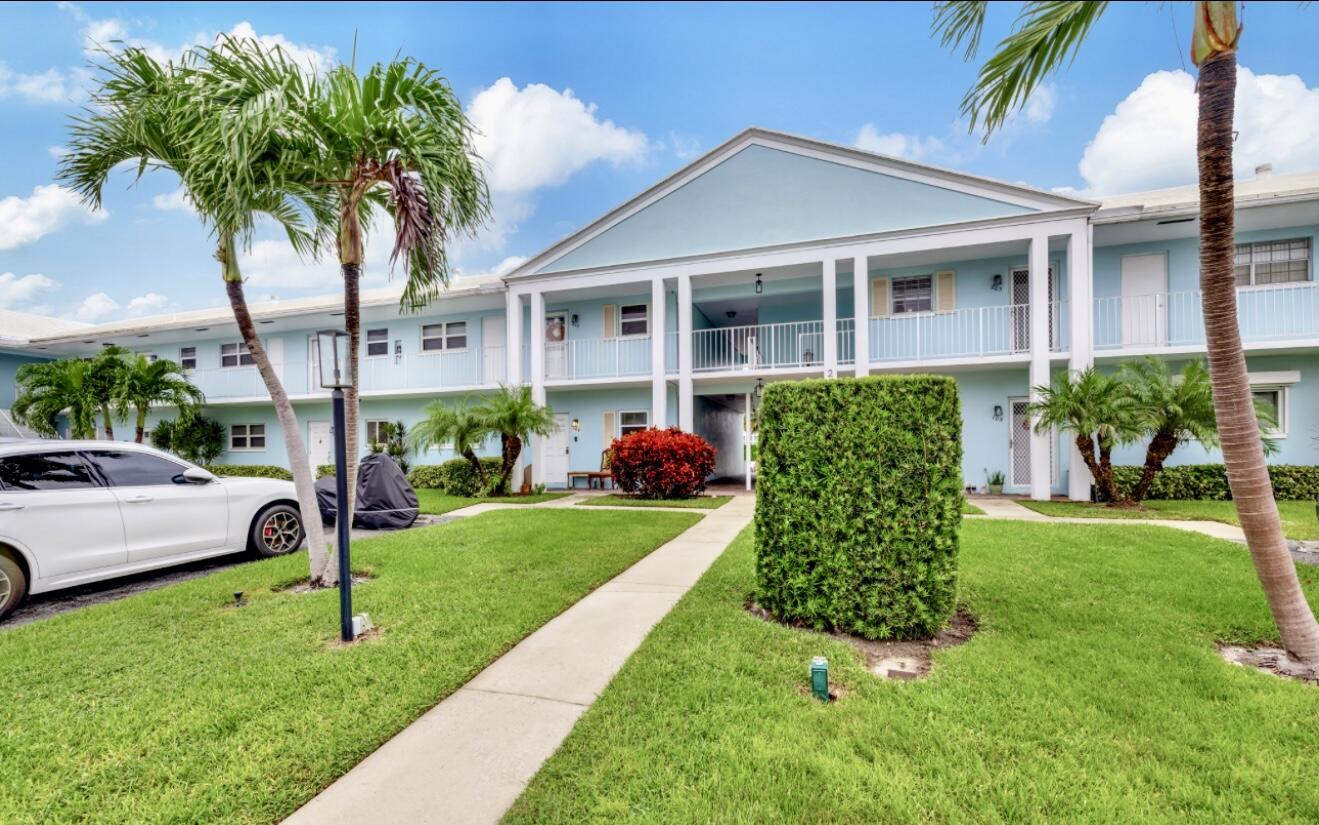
{"x": 385, "y": 499}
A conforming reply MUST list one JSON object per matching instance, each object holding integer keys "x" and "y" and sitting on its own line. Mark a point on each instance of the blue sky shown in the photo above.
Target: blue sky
{"x": 583, "y": 106}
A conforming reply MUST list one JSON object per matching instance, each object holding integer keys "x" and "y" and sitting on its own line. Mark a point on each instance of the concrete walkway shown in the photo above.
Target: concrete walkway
{"x": 468, "y": 758}
{"x": 1006, "y": 508}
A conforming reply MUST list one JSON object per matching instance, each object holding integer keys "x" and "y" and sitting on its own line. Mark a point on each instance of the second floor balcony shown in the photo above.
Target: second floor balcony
{"x": 1175, "y": 320}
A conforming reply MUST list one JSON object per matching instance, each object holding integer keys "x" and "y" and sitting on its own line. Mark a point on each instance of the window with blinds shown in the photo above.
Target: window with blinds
{"x": 1273, "y": 262}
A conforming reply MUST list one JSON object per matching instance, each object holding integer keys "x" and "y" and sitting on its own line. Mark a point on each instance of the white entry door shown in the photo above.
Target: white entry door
{"x": 556, "y": 345}
{"x": 1144, "y": 300}
{"x": 320, "y": 443}
{"x": 493, "y": 341}
{"x": 556, "y": 451}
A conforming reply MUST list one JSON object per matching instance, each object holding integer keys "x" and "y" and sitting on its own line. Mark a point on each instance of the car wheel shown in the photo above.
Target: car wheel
{"x": 276, "y": 531}
{"x": 13, "y": 583}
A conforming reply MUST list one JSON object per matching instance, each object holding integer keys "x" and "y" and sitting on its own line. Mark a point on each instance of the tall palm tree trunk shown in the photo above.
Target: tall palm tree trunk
{"x": 140, "y": 430}
{"x": 108, "y": 422}
{"x": 1238, "y": 428}
{"x": 323, "y": 572}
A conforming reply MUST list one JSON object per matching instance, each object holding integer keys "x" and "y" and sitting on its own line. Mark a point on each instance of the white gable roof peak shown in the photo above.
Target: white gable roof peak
{"x": 764, "y": 187}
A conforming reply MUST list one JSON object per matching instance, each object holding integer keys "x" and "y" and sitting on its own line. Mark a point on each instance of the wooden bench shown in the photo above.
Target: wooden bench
{"x": 592, "y": 476}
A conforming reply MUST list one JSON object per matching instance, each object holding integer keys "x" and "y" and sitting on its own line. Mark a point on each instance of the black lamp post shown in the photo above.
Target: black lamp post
{"x": 336, "y": 372}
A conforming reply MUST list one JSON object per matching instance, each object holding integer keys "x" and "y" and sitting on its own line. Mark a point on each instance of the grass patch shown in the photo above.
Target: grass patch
{"x": 969, "y": 509}
{"x": 436, "y": 503}
{"x": 623, "y": 500}
{"x": 174, "y": 706}
{"x": 1298, "y": 517}
{"x": 1092, "y": 693}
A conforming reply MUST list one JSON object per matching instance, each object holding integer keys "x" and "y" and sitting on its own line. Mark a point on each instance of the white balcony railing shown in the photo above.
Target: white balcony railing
{"x": 579, "y": 358}
{"x": 846, "y": 340}
{"x": 1174, "y": 319}
{"x": 975, "y": 331}
{"x": 762, "y": 346}
{"x": 473, "y": 367}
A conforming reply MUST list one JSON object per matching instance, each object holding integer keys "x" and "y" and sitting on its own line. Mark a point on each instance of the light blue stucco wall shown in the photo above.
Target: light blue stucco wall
{"x": 9, "y": 364}
{"x": 763, "y": 196}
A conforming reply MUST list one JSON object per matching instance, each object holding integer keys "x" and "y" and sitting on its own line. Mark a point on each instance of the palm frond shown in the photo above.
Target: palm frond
{"x": 959, "y": 24}
{"x": 1045, "y": 37}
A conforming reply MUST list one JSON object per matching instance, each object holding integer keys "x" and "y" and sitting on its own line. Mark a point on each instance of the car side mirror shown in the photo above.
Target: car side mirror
{"x": 196, "y": 475}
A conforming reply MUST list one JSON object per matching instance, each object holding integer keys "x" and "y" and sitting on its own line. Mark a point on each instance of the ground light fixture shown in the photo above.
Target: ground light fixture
{"x": 336, "y": 373}
{"x": 820, "y": 678}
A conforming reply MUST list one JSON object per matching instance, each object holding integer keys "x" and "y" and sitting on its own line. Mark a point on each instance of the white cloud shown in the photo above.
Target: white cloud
{"x": 898, "y": 144}
{"x": 173, "y": 201}
{"x": 1039, "y": 108}
{"x": 99, "y": 306}
{"x": 272, "y": 264}
{"x": 536, "y": 136}
{"x": 95, "y": 307}
{"x": 50, "y": 86}
{"x": 57, "y": 152}
{"x": 312, "y": 58}
{"x": 24, "y": 220}
{"x": 18, "y": 291}
{"x": 509, "y": 264}
{"x": 685, "y": 147}
{"x": 147, "y": 304}
{"x": 1148, "y": 142}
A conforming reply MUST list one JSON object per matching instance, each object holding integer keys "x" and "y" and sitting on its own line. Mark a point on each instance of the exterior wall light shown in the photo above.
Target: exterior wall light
{"x": 574, "y": 319}
{"x": 577, "y": 425}
{"x": 996, "y": 283}
{"x": 998, "y": 412}
{"x": 760, "y": 287}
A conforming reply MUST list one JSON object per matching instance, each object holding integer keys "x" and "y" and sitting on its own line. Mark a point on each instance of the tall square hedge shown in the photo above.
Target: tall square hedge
{"x": 858, "y": 504}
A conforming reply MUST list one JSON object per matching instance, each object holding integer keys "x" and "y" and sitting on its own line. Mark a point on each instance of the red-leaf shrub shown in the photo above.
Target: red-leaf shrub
{"x": 658, "y": 463}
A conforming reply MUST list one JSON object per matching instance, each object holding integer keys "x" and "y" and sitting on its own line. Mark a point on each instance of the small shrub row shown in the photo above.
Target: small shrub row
{"x": 455, "y": 476}
{"x": 251, "y": 471}
{"x": 858, "y": 504}
{"x": 324, "y": 470}
{"x": 659, "y": 463}
{"x": 1208, "y": 482}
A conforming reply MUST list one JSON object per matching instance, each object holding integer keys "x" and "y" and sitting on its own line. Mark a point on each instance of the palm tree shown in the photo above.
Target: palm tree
{"x": 1047, "y": 36}
{"x": 220, "y": 129}
{"x": 515, "y": 415}
{"x": 107, "y": 372}
{"x": 397, "y": 139}
{"x": 1099, "y": 411}
{"x": 49, "y": 389}
{"x": 461, "y": 427}
{"x": 144, "y": 382}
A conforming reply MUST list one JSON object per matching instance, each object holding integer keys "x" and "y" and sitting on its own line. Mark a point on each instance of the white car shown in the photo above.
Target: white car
{"x": 73, "y": 512}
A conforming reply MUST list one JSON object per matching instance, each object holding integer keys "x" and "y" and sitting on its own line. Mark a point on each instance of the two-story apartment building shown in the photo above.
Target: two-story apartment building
{"x": 778, "y": 257}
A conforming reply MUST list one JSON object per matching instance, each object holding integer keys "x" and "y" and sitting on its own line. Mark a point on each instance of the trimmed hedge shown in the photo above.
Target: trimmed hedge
{"x": 858, "y": 504}
{"x": 455, "y": 476}
{"x": 1208, "y": 482}
{"x": 251, "y": 471}
{"x": 324, "y": 470}
{"x": 661, "y": 464}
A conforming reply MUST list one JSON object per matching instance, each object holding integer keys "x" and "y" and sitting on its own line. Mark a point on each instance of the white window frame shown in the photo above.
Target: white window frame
{"x": 183, "y": 359}
{"x": 247, "y": 435}
{"x": 632, "y": 427}
{"x": 240, "y": 351}
{"x": 645, "y": 319}
{"x": 1284, "y": 414}
{"x": 376, "y": 422}
{"x": 1251, "y": 246}
{"x": 893, "y": 295}
{"x": 444, "y": 337}
{"x": 367, "y": 342}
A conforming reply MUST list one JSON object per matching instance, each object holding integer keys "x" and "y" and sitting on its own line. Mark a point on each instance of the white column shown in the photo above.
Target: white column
{"x": 746, "y": 441}
{"x": 686, "y": 413}
{"x": 659, "y": 388}
{"x": 1039, "y": 359}
{"x": 861, "y": 305}
{"x": 538, "y": 381}
{"x": 829, "y": 287}
{"x": 513, "y": 339}
{"x": 1080, "y": 320}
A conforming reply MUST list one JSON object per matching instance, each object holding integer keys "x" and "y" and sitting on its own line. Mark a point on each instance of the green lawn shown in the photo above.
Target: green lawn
{"x": 969, "y": 509}
{"x": 436, "y": 503}
{"x": 623, "y": 500}
{"x": 1092, "y": 694}
{"x": 174, "y": 706}
{"x": 1298, "y": 517}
